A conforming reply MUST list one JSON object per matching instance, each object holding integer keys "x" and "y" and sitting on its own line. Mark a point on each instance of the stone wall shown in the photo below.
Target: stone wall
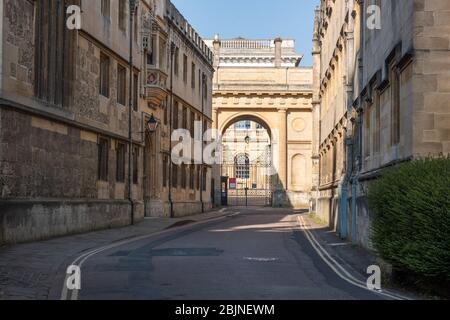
{"x": 23, "y": 221}
{"x": 291, "y": 199}
{"x": 431, "y": 78}
{"x": 334, "y": 41}
{"x": 51, "y": 189}
{"x": 32, "y": 167}
{"x": 49, "y": 136}
{"x": 414, "y": 44}
{"x": 18, "y": 46}
{"x": 91, "y": 108}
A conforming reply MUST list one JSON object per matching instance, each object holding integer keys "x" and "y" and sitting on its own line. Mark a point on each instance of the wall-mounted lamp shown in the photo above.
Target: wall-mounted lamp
{"x": 152, "y": 124}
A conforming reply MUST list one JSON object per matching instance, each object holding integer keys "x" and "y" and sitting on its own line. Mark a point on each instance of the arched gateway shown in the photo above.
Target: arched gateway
{"x": 260, "y": 82}
{"x": 247, "y": 163}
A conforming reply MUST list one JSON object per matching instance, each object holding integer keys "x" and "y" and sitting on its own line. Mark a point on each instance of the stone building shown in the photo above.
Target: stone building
{"x": 261, "y": 81}
{"x": 382, "y": 94}
{"x": 174, "y": 188}
{"x": 65, "y": 97}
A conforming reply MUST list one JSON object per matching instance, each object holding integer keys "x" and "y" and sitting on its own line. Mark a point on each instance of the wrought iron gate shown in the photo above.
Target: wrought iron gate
{"x": 248, "y": 184}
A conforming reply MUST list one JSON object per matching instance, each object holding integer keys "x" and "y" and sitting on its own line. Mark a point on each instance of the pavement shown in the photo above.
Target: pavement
{"x": 237, "y": 254}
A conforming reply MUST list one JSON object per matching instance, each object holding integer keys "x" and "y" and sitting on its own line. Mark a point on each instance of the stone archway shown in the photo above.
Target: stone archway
{"x": 247, "y": 161}
{"x": 242, "y": 116}
{"x": 275, "y": 92}
{"x": 286, "y": 128}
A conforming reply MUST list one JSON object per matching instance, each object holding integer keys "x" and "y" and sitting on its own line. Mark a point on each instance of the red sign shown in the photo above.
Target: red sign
{"x": 233, "y": 183}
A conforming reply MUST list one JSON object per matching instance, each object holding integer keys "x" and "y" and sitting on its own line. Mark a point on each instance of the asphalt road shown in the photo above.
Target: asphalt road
{"x": 256, "y": 254}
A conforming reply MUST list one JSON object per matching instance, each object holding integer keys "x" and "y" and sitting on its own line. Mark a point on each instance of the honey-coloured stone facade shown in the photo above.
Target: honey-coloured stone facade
{"x": 381, "y": 97}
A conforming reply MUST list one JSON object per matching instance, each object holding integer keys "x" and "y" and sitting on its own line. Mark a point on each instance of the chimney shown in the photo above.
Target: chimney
{"x": 278, "y": 43}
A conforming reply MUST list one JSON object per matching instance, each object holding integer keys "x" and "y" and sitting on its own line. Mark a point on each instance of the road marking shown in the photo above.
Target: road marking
{"x": 336, "y": 267}
{"x": 261, "y": 259}
{"x": 338, "y": 244}
{"x": 84, "y": 257}
{"x": 234, "y": 214}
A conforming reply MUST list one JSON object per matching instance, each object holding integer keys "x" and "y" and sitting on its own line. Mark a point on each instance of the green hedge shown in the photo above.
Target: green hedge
{"x": 411, "y": 226}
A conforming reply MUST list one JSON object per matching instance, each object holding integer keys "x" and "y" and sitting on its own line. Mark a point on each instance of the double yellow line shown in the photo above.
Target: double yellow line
{"x": 337, "y": 268}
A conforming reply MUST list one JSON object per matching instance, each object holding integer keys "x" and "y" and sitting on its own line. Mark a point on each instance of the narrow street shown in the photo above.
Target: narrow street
{"x": 254, "y": 253}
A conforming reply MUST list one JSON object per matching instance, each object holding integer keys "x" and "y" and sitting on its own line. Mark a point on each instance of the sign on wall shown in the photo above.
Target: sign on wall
{"x": 233, "y": 184}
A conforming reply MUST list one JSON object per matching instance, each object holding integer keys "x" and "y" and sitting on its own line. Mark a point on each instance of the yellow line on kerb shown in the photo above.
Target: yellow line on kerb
{"x": 336, "y": 267}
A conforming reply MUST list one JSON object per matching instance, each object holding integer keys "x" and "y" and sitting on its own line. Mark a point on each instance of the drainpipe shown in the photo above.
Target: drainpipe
{"x": 202, "y": 168}
{"x": 361, "y": 77}
{"x": 359, "y": 120}
{"x": 133, "y": 8}
{"x": 172, "y": 53}
{"x": 349, "y": 146}
{"x": 354, "y": 211}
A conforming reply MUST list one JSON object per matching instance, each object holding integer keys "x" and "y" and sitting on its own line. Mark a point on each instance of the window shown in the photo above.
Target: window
{"x": 205, "y": 173}
{"x": 165, "y": 169}
{"x": 199, "y": 81}
{"x": 176, "y": 62}
{"x": 199, "y": 169}
{"x": 135, "y": 165}
{"x": 185, "y": 120}
{"x": 243, "y": 125}
{"x": 162, "y": 54}
{"x": 175, "y": 116}
{"x": 135, "y": 92}
{"x": 53, "y": 61}
{"x": 185, "y": 68}
{"x": 199, "y": 135}
{"x": 377, "y": 121}
{"x": 121, "y": 85}
{"x": 242, "y": 166}
{"x": 136, "y": 25}
{"x": 106, "y": 8}
{"x": 175, "y": 176}
{"x": 104, "y": 75}
{"x": 103, "y": 153}
{"x": 166, "y": 111}
{"x": 192, "y": 126}
{"x": 193, "y": 69}
{"x": 205, "y": 126}
{"x": 120, "y": 174}
{"x": 367, "y": 129}
{"x": 122, "y": 15}
{"x": 205, "y": 88}
{"x": 395, "y": 103}
{"x": 192, "y": 177}
{"x": 183, "y": 176}
{"x": 151, "y": 53}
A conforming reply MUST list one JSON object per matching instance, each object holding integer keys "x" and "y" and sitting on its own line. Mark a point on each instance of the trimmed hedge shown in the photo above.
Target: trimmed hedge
{"x": 411, "y": 226}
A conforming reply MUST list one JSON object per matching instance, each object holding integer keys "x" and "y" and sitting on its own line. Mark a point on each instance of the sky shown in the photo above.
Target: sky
{"x": 257, "y": 19}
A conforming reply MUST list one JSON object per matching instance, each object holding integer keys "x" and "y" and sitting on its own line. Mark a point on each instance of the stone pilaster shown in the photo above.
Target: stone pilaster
{"x": 282, "y": 149}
